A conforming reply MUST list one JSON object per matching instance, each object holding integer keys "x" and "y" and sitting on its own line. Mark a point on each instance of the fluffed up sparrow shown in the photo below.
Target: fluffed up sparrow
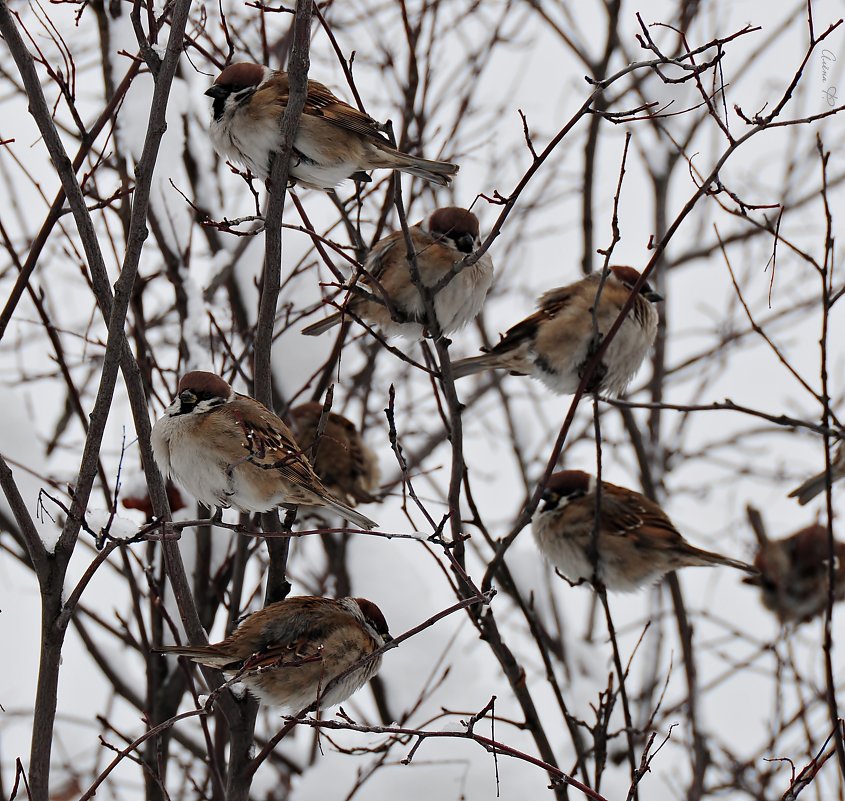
{"x": 637, "y": 543}
{"x": 288, "y": 653}
{"x": 815, "y": 484}
{"x": 794, "y": 571}
{"x": 346, "y": 466}
{"x": 228, "y": 449}
{"x": 554, "y": 344}
{"x": 440, "y": 242}
{"x": 334, "y": 141}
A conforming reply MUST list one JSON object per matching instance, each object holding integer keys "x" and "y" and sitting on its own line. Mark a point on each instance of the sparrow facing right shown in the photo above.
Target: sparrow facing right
{"x": 334, "y": 141}
{"x": 228, "y": 449}
{"x": 637, "y": 543}
{"x": 794, "y": 571}
{"x": 554, "y": 344}
{"x": 346, "y": 466}
{"x": 440, "y": 242}
{"x": 291, "y": 650}
{"x": 815, "y": 484}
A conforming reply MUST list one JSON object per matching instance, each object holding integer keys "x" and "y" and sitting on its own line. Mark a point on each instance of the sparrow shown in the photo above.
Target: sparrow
{"x": 228, "y": 449}
{"x": 554, "y": 344}
{"x": 345, "y": 465}
{"x": 392, "y": 301}
{"x": 334, "y": 141}
{"x": 637, "y": 542}
{"x": 289, "y": 653}
{"x": 794, "y": 571}
{"x": 816, "y": 484}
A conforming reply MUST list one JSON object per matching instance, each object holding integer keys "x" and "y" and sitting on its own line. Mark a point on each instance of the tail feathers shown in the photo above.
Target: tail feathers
{"x": 474, "y": 364}
{"x": 709, "y": 558}
{"x": 438, "y": 172}
{"x": 321, "y": 326}
{"x": 362, "y": 521}
{"x": 809, "y": 489}
{"x": 203, "y": 654}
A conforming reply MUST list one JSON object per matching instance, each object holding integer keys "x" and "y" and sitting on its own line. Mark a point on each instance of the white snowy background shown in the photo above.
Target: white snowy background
{"x": 720, "y": 465}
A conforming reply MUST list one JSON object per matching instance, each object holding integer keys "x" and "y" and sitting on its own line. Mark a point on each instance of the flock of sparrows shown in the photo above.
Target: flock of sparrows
{"x": 227, "y": 449}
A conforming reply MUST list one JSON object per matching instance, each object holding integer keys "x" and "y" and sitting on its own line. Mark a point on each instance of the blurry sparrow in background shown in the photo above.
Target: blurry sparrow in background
{"x": 343, "y": 462}
{"x": 228, "y": 449}
{"x": 334, "y": 141}
{"x": 554, "y": 344}
{"x": 291, "y": 650}
{"x": 794, "y": 571}
{"x": 815, "y": 484}
{"x": 637, "y": 543}
{"x": 139, "y": 498}
{"x": 440, "y": 242}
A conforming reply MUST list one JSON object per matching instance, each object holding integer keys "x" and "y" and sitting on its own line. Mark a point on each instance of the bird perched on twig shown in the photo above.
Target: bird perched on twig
{"x": 228, "y": 449}
{"x": 334, "y": 141}
{"x": 794, "y": 571}
{"x": 394, "y": 304}
{"x": 289, "y": 653}
{"x": 555, "y": 343}
{"x": 346, "y": 466}
{"x": 637, "y": 543}
{"x": 815, "y": 484}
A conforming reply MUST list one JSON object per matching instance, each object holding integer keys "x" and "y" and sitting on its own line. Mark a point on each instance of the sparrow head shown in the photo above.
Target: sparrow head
{"x": 200, "y": 392}
{"x": 565, "y": 486}
{"x": 456, "y": 224}
{"x": 235, "y": 85}
{"x": 372, "y": 618}
{"x": 629, "y": 276}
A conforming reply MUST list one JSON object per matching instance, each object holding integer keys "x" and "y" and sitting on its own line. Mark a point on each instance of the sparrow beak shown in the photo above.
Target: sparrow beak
{"x": 215, "y": 91}
{"x": 188, "y": 398}
{"x": 654, "y": 297}
{"x": 465, "y": 243}
{"x": 387, "y": 638}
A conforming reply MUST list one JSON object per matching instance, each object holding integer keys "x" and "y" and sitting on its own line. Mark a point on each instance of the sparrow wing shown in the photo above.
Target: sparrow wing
{"x": 270, "y": 443}
{"x": 549, "y": 305}
{"x": 630, "y": 514}
{"x": 322, "y": 103}
{"x": 377, "y": 261}
{"x": 292, "y": 629}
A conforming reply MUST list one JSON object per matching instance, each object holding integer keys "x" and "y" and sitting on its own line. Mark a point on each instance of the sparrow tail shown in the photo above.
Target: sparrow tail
{"x": 474, "y": 364}
{"x": 438, "y": 172}
{"x": 204, "y": 654}
{"x": 809, "y": 489}
{"x": 709, "y": 558}
{"x": 321, "y": 326}
{"x": 349, "y": 513}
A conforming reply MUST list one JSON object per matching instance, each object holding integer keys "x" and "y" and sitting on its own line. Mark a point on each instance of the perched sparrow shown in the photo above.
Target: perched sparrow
{"x": 637, "y": 543}
{"x": 291, "y": 650}
{"x": 816, "y": 484}
{"x": 334, "y": 141}
{"x": 554, "y": 344}
{"x": 441, "y": 241}
{"x": 793, "y": 574}
{"x": 228, "y": 449}
{"x": 345, "y": 465}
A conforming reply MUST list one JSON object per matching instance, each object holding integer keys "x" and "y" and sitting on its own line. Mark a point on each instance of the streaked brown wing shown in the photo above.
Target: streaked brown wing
{"x": 625, "y": 512}
{"x": 549, "y": 305}
{"x": 271, "y": 445}
{"x": 299, "y": 651}
{"x": 322, "y": 103}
